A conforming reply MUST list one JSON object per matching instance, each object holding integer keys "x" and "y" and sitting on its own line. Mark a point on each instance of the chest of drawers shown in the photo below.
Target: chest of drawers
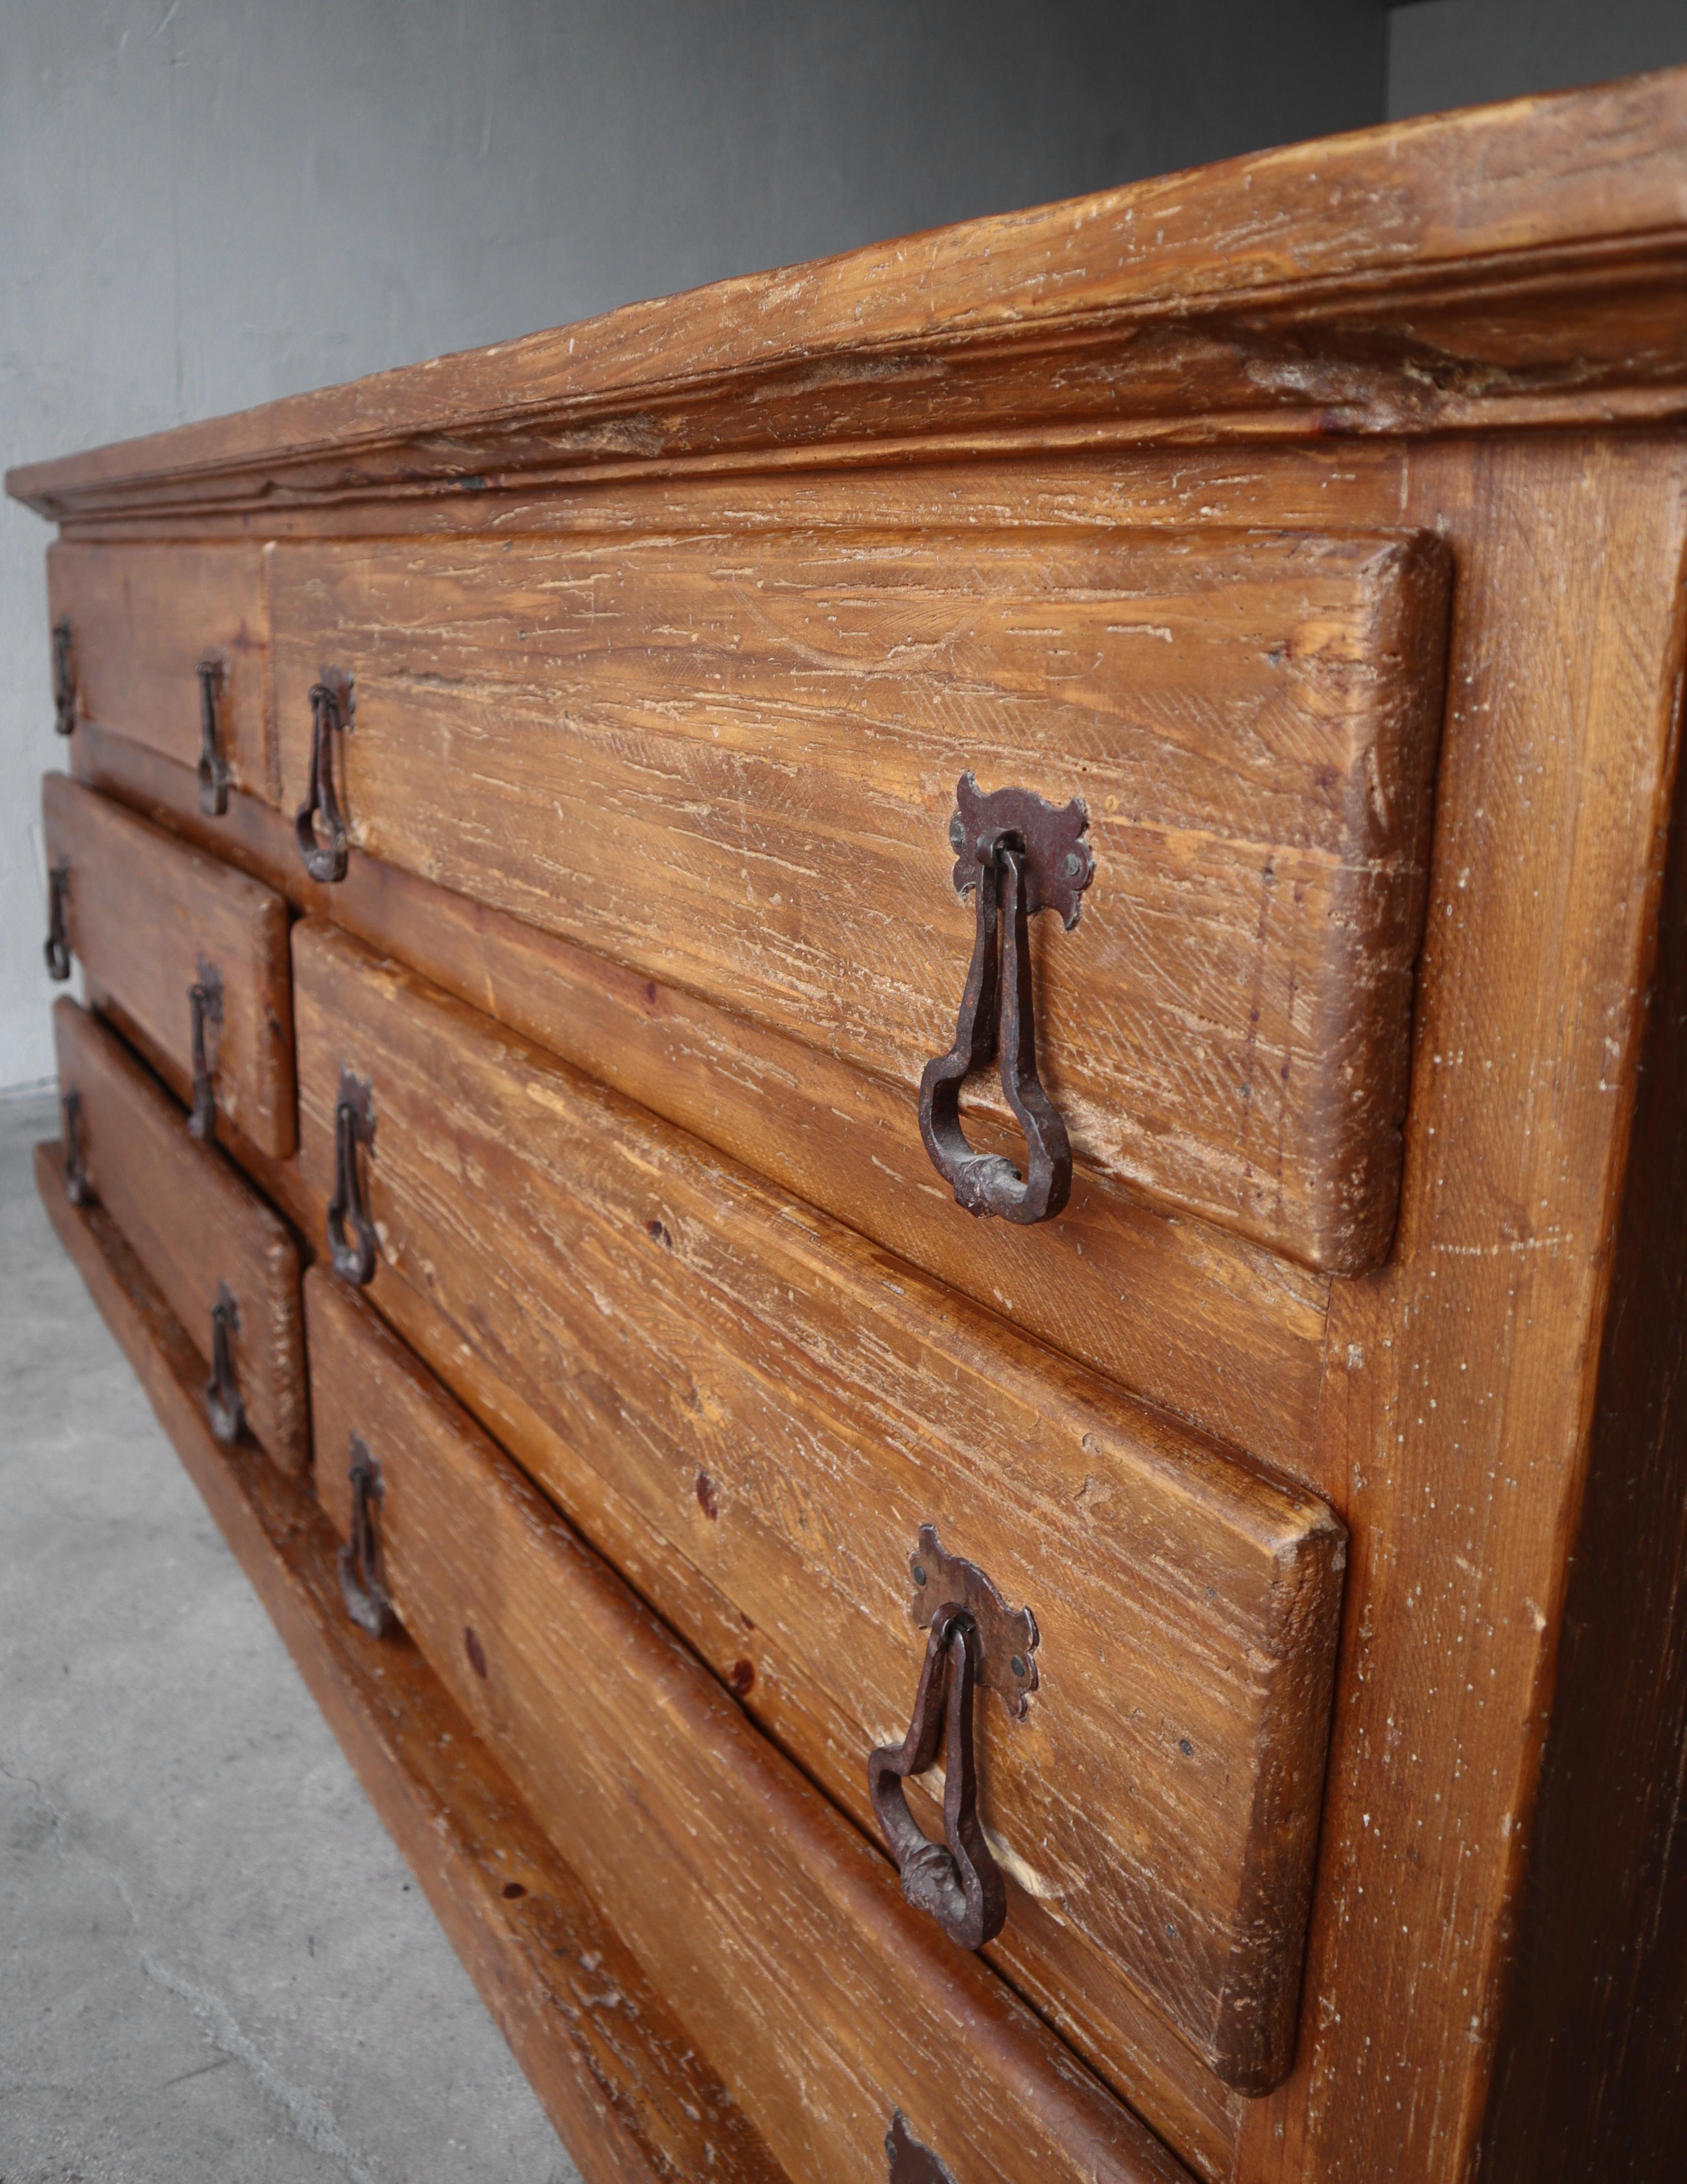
{"x": 879, "y": 1070}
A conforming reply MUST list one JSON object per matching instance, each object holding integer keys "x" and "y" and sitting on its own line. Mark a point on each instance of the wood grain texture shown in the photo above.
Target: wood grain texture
{"x": 783, "y": 1406}
{"x": 620, "y": 2077}
{"x": 731, "y": 765}
{"x": 1515, "y": 265}
{"x": 194, "y": 1226}
{"x": 828, "y": 2004}
{"x": 146, "y": 917}
{"x": 139, "y": 629}
{"x": 1187, "y": 1314}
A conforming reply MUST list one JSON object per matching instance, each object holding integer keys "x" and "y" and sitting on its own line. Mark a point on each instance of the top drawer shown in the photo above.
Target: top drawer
{"x": 734, "y": 764}
{"x": 133, "y": 627}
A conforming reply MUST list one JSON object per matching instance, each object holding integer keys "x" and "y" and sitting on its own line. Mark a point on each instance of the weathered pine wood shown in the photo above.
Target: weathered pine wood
{"x": 194, "y": 1224}
{"x": 148, "y": 918}
{"x": 1187, "y": 1314}
{"x": 731, "y": 765}
{"x": 828, "y": 2004}
{"x": 139, "y": 629}
{"x": 1515, "y": 265}
{"x": 783, "y": 1406}
{"x": 620, "y": 2077}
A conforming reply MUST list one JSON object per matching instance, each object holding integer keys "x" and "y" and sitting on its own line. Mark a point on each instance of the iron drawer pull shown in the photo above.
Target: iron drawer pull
{"x": 204, "y": 1001}
{"x": 223, "y": 1405}
{"x": 362, "y": 1587}
{"x": 331, "y": 708}
{"x": 77, "y": 1188}
{"x": 351, "y": 1234}
{"x": 58, "y": 947}
{"x": 956, "y": 1881}
{"x": 213, "y": 765}
{"x": 1022, "y": 854}
{"x": 64, "y": 678}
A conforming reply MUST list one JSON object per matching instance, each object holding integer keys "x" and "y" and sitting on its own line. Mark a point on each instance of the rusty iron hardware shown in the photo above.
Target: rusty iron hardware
{"x": 205, "y": 1001}
{"x": 1022, "y": 854}
{"x": 64, "y": 678}
{"x": 1007, "y": 1636}
{"x": 956, "y": 1881}
{"x": 58, "y": 947}
{"x": 77, "y": 1188}
{"x": 911, "y": 2163}
{"x": 362, "y": 1583}
{"x": 351, "y": 1234}
{"x": 223, "y": 1405}
{"x": 213, "y": 765}
{"x": 324, "y": 851}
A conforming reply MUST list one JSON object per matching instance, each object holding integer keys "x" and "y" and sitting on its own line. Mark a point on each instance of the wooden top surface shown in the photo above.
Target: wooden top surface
{"x": 1515, "y": 264}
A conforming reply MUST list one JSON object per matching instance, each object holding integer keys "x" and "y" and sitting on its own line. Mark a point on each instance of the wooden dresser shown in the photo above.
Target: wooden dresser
{"x": 882, "y": 1070}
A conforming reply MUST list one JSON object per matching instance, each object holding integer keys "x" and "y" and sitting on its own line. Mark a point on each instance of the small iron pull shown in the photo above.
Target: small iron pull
{"x": 1022, "y": 854}
{"x": 77, "y": 1188}
{"x": 331, "y": 709}
{"x": 957, "y": 1881}
{"x": 64, "y": 678}
{"x": 223, "y": 1405}
{"x": 58, "y": 947}
{"x": 213, "y": 765}
{"x": 204, "y": 1000}
{"x": 351, "y": 1234}
{"x": 362, "y": 1584}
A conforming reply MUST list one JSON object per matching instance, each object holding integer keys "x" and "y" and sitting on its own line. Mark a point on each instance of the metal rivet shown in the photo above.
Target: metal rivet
{"x": 957, "y": 833}
{"x": 919, "y": 1573}
{"x": 1074, "y": 864}
{"x": 1185, "y": 1747}
{"x": 1017, "y": 1665}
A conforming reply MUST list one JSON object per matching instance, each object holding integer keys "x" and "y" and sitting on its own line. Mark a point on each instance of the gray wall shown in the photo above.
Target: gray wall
{"x": 1460, "y": 53}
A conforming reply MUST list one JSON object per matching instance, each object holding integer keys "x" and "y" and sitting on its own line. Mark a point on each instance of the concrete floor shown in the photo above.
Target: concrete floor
{"x": 215, "y": 1968}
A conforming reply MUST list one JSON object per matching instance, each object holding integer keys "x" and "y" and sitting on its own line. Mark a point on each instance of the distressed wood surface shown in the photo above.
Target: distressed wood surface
{"x": 139, "y": 629}
{"x": 147, "y": 915}
{"x": 783, "y": 1406}
{"x": 828, "y": 2004}
{"x": 194, "y": 1224}
{"x": 620, "y": 2076}
{"x": 1515, "y": 265}
{"x": 731, "y": 765}
{"x": 1185, "y": 1313}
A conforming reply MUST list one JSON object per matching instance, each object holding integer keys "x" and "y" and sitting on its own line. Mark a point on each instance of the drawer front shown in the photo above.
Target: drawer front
{"x": 141, "y": 620}
{"x": 828, "y": 2006}
{"x": 150, "y": 920}
{"x": 204, "y": 1238}
{"x": 757, "y": 1412}
{"x": 733, "y": 766}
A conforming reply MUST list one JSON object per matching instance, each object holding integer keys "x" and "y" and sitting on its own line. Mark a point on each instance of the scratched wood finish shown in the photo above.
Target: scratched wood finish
{"x": 139, "y": 629}
{"x": 194, "y": 1224}
{"x": 785, "y": 1406}
{"x": 823, "y": 2000}
{"x": 1187, "y": 1314}
{"x": 731, "y": 765}
{"x": 148, "y": 917}
{"x": 620, "y": 2076}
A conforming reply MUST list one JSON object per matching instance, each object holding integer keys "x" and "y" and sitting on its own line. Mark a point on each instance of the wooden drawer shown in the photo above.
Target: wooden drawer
{"x": 755, "y": 1413}
{"x": 734, "y": 766}
{"x": 828, "y": 2006}
{"x": 151, "y": 919}
{"x": 205, "y": 1239}
{"x": 140, "y": 622}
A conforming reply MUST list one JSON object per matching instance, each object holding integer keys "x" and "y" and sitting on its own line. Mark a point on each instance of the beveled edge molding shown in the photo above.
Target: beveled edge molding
{"x": 1515, "y": 265}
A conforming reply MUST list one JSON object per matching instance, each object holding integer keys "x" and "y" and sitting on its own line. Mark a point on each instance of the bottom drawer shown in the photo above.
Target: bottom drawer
{"x": 855, "y": 2039}
{"x": 227, "y": 1265}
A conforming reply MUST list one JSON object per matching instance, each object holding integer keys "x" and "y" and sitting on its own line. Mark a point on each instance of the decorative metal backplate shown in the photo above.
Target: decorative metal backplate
{"x": 1059, "y": 863}
{"x": 1007, "y": 1636}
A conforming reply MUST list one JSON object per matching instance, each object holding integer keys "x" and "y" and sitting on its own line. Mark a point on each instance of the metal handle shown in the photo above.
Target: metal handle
{"x": 957, "y": 1881}
{"x": 213, "y": 765}
{"x": 205, "y": 1001}
{"x": 77, "y": 1188}
{"x": 331, "y": 708}
{"x": 1022, "y": 854}
{"x": 64, "y": 678}
{"x": 351, "y": 1234}
{"x": 223, "y": 1405}
{"x": 57, "y": 950}
{"x": 362, "y": 1586}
